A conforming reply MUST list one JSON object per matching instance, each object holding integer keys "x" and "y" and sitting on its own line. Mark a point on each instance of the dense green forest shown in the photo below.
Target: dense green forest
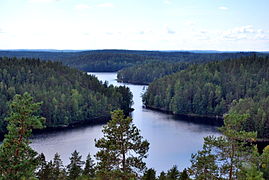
{"x": 69, "y": 96}
{"x": 122, "y": 150}
{"x": 146, "y": 73}
{"x": 211, "y": 89}
{"x": 114, "y": 60}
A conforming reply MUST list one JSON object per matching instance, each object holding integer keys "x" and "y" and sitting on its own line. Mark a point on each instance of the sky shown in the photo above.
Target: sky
{"x": 226, "y": 25}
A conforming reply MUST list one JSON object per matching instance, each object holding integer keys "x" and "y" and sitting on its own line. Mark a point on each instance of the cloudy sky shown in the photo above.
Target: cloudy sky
{"x": 240, "y": 25}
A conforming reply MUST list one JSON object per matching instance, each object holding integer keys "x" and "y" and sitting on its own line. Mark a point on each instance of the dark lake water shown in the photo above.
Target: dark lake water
{"x": 172, "y": 141}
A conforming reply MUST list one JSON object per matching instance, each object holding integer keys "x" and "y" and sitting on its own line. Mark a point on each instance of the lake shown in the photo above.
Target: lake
{"x": 172, "y": 140}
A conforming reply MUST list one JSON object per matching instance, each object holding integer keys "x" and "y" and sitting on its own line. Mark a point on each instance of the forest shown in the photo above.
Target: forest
{"x": 213, "y": 89}
{"x": 148, "y": 72}
{"x": 122, "y": 150}
{"x": 68, "y": 96}
{"x": 114, "y": 60}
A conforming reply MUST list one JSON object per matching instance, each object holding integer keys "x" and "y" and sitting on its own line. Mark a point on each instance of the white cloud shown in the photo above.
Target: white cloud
{"x": 224, "y": 8}
{"x": 244, "y": 32}
{"x": 82, "y": 6}
{"x": 190, "y": 23}
{"x": 167, "y": 2}
{"x": 105, "y": 5}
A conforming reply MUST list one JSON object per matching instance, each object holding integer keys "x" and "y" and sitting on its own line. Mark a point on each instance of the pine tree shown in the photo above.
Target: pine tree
{"x": 74, "y": 169}
{"x": 122, "y": 147}
{"x": 150, "y": 174}
{"x": 18, "y": 160}
{"x": 89, "y": 169}
{"x": 173, "y": 173}
{"x": 58, "y": 170}
{"x": 184, "y": 175}
{"x": 162, "y": 176}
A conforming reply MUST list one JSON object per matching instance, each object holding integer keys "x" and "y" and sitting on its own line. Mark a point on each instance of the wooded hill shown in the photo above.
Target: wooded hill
{"x": 214, "y": 88}
{"x": 114, "y": 60}
{"x": 148, "y": 72}
{"x": 69, "y": 96}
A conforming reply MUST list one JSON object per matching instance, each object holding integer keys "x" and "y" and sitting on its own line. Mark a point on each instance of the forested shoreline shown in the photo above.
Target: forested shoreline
{"x": 114, "y": 60}
{"x": 122, "y": 151}
{"x": 146, "y": 73}
{"x": 213, "y": 89}
{"x": 69, "y": 96}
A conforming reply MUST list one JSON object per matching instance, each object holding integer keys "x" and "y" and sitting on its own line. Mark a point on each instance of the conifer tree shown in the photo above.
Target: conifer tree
{"x": 150, "y": 174}
{"x": 122, "y": 148}
{"x": 74, "y": 169}
{"x": 89, "y": 169}
{"x": 18, "y": 160}
{"x": 58, "y": 169}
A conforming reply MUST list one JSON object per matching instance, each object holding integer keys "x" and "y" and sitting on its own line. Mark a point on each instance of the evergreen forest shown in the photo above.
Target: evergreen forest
{"x": 215, "y": 88}
{"x": 122, "y": 151}
{"x": 69, "y": 96}
{"x": 114, "y": 60}
{"x": 146, "y": 73}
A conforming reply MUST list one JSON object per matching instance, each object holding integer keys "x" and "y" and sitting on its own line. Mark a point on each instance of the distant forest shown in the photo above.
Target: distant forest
{"x": 114, "y": 60}
{"x": 69, "y": 96}
{"x": 212, "y": 89}
{"x": 148, "y": 72}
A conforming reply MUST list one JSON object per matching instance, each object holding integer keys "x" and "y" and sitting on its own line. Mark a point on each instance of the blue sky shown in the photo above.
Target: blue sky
{"x": 236, "y": 25}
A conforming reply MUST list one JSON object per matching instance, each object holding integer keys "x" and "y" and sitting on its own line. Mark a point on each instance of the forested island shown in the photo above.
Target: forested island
{"x": 114, "y": 60}
{"x": 148, "y": 72}
{"x": 212, "y": 89}
{"x": 69, "y": 96}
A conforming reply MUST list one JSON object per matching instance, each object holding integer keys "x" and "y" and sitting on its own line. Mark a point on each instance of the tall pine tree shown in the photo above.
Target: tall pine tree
{"x": 122, "y": 148}
{"x": 18, "y": 160}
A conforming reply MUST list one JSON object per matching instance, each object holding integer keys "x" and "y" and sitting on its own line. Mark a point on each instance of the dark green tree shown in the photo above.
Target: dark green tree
{"x": 122, "y": 148}
{"x": 58, "y": 170}
{"x": 18, "y": 160}
{"x": 74, "y": 169}
{"x": 204, "y": 162}
{"x": 162, "y": 176}
{"x": 184, "y": 175}
{"x": 89, "y": 169}
{"x": 265, "y": 162}
{"x": 150, "y": 174}
{"x": 173, "y": 173}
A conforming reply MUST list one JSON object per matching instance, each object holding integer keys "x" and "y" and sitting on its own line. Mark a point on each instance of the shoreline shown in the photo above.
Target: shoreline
{"x": 203, "y": 119}
{"x": 90, "y": 122}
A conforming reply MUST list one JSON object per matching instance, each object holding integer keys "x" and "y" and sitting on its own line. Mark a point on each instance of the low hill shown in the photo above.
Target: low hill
{"x": 212, "y": 89}
{"x": 69, "y": 96}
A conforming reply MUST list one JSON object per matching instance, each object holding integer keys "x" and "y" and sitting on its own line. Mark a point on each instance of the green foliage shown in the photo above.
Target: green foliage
{"x": 173, "y": 173}
{"x": 146, "y": 73}
{"x": 114, "y": 60}
{"x": 69, "y": 96}
{"x": 162, "y": 176}
{"x": 74, "y": 169}
{"x": 228, "y": 156}
{"x": 150, "y": 174}
{"x": 89, "y": 169}
{"x": 184, "y": 175}
{"x": 211, "y": 89}
{"x": 204, "y": 163}
{"x": 122, "y": 148}
{"x": 17, "y": 159}
{"x": 265, "y": 162}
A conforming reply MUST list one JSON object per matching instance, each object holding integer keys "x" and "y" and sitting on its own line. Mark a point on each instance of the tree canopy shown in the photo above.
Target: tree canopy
{"x": 17, "y": 158}
{"x": 211, "y": 89}
{"x": 69, "y": 96}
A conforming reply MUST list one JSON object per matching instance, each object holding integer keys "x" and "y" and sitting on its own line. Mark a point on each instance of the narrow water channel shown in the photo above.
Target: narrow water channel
{"x": 172, "y": 141}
